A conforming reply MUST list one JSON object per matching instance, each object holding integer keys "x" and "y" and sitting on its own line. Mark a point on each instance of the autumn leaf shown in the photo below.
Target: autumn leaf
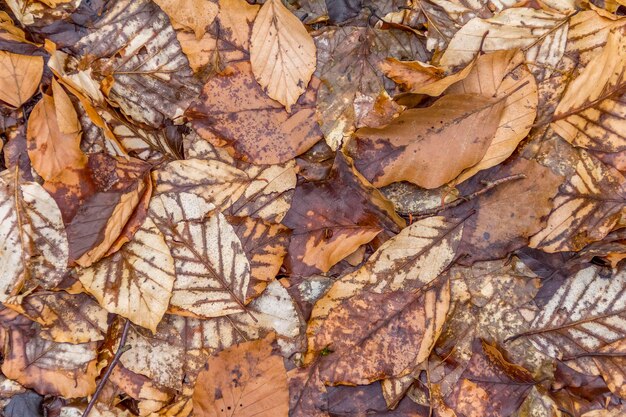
{"x": 194, "y": 14}
{"x": 282, "y": 53}
{"x": 20, "y": 77}
{"x": 243, "y": 380}
{"x": 235, "y": 110}
{"x": 415, "y": 146}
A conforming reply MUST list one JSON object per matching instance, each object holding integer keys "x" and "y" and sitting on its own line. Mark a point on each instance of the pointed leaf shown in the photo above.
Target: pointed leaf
{"x": 20, "y": 77}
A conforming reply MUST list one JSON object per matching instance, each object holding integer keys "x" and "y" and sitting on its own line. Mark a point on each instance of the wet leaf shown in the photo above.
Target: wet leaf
{"x": 329, "y": 223}
{"x": 247, "y": 379}
{"x": 137, "y": 281}
{"x": 20, "y": 77}
{"x": 282, "y": 53}
{"x": 27, "y": 404}
{"x": 415, "y": 146}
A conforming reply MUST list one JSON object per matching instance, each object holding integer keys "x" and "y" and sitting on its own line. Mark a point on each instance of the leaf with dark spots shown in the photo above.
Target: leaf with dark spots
{"x": 134, "y": 43}
{"x": 428, "y": 146}
{"x": 490, "y": 386}
{"x": 504, "y": 218}
{"x": 341, "y": 10}
{"x": 368, "y": 400}
{"x": 330, "y": 219}
{"x": 233, "y": 109}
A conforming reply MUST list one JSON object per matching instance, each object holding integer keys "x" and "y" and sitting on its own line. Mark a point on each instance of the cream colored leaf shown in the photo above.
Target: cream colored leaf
{"x": 412, "y": 259}
{"x": 282, "y": 53}
{"x": 33, "y": 244}
{"x": 194, "y": 14}
{"x": 19, "y": 77}
{"x": 540, "y": 34}
{"x": 592, "y": 112}
{"x": 502, "y": 74}
{"x": 136, "y": 282}
{"x": 212, "y": 271}
{"x": 586, "y": 208}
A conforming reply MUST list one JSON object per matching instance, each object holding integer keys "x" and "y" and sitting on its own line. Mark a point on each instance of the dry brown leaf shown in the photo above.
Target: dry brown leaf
{"x": 428, "y": 146}
{"x": 502, "y": 74}
{"x": 244, "y": 380}
{"x": 374, "y": 335}
{"x": 212, "y": 271}
{"x": 33, "y": 244}
{"x": 410, "y": 260}
{"x": 64, "y": 317}
{"x": 265, "y": 245}
{"x": 136, "y": 282}
{"x": 234, "y": 110}
{"x": 193, "y": 14}
{"x": 332, "y": 218}
{"x": 19, "y": 77}
{"x": 587, "y": 207}
{"x": 54, "y": 136}
{"x": 282, "y": 53}
{"x": 591, "y": 113}
{"x": 49, "y": 368}
{"x": 420, "y": 78}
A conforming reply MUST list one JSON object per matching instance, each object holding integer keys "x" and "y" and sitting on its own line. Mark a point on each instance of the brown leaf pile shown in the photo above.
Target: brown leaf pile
{"x": 312, "y": 208}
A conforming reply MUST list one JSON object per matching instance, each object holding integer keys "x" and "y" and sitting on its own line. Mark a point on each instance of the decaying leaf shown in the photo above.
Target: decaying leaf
{"x": 135, "y": 282}
{"x": 33, "y": 244}
{"x": 212, "y": 271}
{"x": 282, "y": 53}
{"x": 247, "y": 379}
{"x": 193, "y": 14}
{"x": 20, "y": 76}
{"x": 330, "y": 223}
{"x": 416, "y": 145}
{"x": 233, "y": 109}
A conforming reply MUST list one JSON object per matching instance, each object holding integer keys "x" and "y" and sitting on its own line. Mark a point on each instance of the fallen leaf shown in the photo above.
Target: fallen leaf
{"x": 416, "y": 146}
{"x": 137, "y": 281}
{"x": 194, "y": 14}
{"x": 212, "y": 271}
{"x": 234, "y": 109}
{"x": 282, "y": 53}
{"x": 27, "y": 404}
{"x": 20, "y": 77}
{"x": 590, "y": 114}
{"x": 329, "y": 223}
{"x": 247, "y": 379}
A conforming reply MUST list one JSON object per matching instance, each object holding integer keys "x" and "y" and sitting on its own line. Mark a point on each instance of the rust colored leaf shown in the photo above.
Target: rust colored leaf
{"x": 234, "y": 109}
{"x": 332, "y": 218}
{"x": 193, "y": 14}
{"x": 19, "y": 77}
{"x": 428, "y": 146}
{"x": 248, "y": 379}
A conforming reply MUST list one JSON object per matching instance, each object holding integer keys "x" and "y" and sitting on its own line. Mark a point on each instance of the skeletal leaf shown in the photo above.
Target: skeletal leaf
{"x": 410, "y": 260}
{"x": 428, "y": 146}
{"x": 233, "y": 109}
{"x": 54, "y": 135}
{"x": 151, "y": 77}
{"x": 247, "y": 379}
{"x": 591, "y": 114}
{"x": 33, "y": 244}
{"x": 540, "y": 34}
{"x": 64, "y": 317}
{"x": 136, "y": 282}
{"x": 52, "y": 368}
{"x": 265, "y": 245}
{"x": 502, "y": 74}
{"x": 348, "y": 59}
{"x": 282, "y": 53}
{"x": 586, "y": 208}
{"x": 583, "y": 318}
{"x": 20, "y": 77}
{"x": 329, "y": 222}
{"x": 193, "y": 14}
{"x": 212, "y": 271}
{"x": 379, "y": 335}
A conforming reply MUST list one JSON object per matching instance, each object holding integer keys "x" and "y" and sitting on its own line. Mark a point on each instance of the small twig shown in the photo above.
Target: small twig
{"x": 488, "y": 186}
{"x": 120, "y": 351}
